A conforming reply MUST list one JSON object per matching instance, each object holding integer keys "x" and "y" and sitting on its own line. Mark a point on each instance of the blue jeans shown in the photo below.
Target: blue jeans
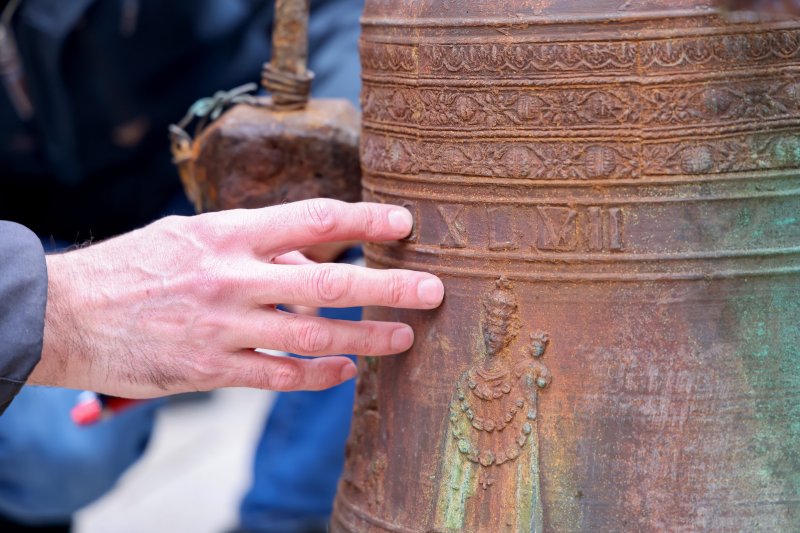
{"x": 300, "y": 457}
{"x": 49, "y": 467}
{"x": 301, "y": 452}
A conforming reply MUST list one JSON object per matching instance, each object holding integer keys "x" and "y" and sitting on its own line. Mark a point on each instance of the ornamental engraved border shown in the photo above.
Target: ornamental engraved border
{"x": 636, "y": 57}
{"x": 540, "y": 160}
{"x": 722, "y": 50}
{"x": 581, "y": 160}
{"x": 507, "y": 107}
{"x": 761, "y": 151}
{"x": 772, "y": 98}
{"x": 527, "y": 57}
{"x": 386, "y": 57}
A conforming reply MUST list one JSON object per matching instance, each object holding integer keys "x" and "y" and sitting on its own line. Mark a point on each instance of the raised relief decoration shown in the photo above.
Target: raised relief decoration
{"x": 528, "y": 57}
{"x": 737, "y": 153}
{"x": 456, "y": 234}
{"x": 492, "y": 439}
{"x": 722, "y": 50}
{"x": 546, "y": 228}
{"x": 501, "y": 108}
{"x": 531, "y": 160}
{"x": 692, "y": 105}
{"x": 558, "y": 228}
{"x": 575, "y": 160}
{"x": 574, "y": 58}
{"x": 388, "y": 57}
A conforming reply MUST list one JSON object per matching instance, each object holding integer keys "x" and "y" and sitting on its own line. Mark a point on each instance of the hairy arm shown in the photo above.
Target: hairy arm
{"x": 181, "y": 304}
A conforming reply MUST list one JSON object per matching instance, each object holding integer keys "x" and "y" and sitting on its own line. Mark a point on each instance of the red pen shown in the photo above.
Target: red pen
{"x": 92, "y": 407}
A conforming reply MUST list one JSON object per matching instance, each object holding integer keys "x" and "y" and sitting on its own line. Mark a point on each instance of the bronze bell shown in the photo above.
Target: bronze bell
{"x": 610, "y": 191}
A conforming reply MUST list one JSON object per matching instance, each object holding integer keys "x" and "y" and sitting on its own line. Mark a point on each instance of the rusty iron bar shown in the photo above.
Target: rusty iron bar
{"x": 286, "y": 76}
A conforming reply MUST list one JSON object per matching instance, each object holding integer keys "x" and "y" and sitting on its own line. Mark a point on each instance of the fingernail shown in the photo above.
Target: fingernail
{"x": 348, "y": 372}
{"x": 401, "y": 221}
{"x": 430, "y": 291}
{"x": 402, "y": 339}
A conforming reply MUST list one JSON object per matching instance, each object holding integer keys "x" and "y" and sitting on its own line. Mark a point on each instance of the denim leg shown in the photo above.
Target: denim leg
{"x": 301, "y": 453}
{"x": 300, "y": 457}
{"x": 49, "y": 467}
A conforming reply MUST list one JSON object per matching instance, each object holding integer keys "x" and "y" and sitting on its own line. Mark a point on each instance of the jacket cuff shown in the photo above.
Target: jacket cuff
{"x": 23, "y": 299}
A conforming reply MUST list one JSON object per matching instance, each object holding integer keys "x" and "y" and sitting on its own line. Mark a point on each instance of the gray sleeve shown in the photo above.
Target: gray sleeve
{"x": 23, "y": 297}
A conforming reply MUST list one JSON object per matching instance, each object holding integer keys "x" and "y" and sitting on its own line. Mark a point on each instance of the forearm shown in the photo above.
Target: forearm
{"x": 62, "y": 335}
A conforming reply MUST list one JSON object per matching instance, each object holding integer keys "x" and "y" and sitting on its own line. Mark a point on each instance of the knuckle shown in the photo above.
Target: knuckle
{"x": 313, "y": 338}
{"x": 321, "y": 216}
{"x": 329, "y": 283}
{"x": 373, "y": 223}
{"x": 204, "y": 227}
{"x": 323, "y": 379}
{"x": 366, "y": 344}
{"x": 286, "y": 376}
{"x": 175, "y": 221}
{"x": 214, "y": 282}
{"x": 205, "y": 374}
{"x": 395, "y": 289}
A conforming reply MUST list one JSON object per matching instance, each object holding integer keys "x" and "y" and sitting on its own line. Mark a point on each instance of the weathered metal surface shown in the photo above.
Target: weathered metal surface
{"x": 611, "y": 193}
{"x": 257, "y": 156}
{"x": 268, "y": 151}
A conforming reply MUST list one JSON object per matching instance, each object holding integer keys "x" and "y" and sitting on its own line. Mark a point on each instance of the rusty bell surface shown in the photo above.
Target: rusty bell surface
{"x": 611, "y": 193}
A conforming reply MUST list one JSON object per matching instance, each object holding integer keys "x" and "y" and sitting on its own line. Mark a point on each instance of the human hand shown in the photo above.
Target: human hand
{"x": 321, "y": 253}
{"x": 180, "y": 305}
{"x": 327, "y": 252}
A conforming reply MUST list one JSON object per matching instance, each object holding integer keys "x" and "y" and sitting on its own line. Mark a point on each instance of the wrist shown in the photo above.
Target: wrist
{"x": 60, "y": 332}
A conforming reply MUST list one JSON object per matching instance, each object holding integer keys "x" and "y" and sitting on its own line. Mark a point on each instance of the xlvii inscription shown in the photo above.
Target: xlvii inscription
{"x": 545, "y": 228}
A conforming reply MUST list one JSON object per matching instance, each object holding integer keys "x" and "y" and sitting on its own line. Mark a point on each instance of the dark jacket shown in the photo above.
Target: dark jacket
{"x": 106, "y": 78}
{"x": 23, "y": 295}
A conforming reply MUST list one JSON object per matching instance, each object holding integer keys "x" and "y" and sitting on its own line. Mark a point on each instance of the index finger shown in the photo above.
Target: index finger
{"x": 279, "y": 229}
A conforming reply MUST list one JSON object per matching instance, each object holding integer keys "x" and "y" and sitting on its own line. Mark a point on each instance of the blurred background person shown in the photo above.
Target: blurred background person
{"x": 88, "y": 90}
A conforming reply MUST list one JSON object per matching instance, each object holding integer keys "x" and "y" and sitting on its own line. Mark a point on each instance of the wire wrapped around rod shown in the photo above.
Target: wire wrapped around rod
{"x": 289, "y": 91}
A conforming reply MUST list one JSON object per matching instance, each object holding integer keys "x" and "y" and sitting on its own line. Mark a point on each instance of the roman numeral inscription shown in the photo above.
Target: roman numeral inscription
{"x": 501, "y": 229}
{"x": 558, "y": 228}
{"x": 456, "y": 234}
{"x": 506, "y": 228}
{"x": 604, "y": 229}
